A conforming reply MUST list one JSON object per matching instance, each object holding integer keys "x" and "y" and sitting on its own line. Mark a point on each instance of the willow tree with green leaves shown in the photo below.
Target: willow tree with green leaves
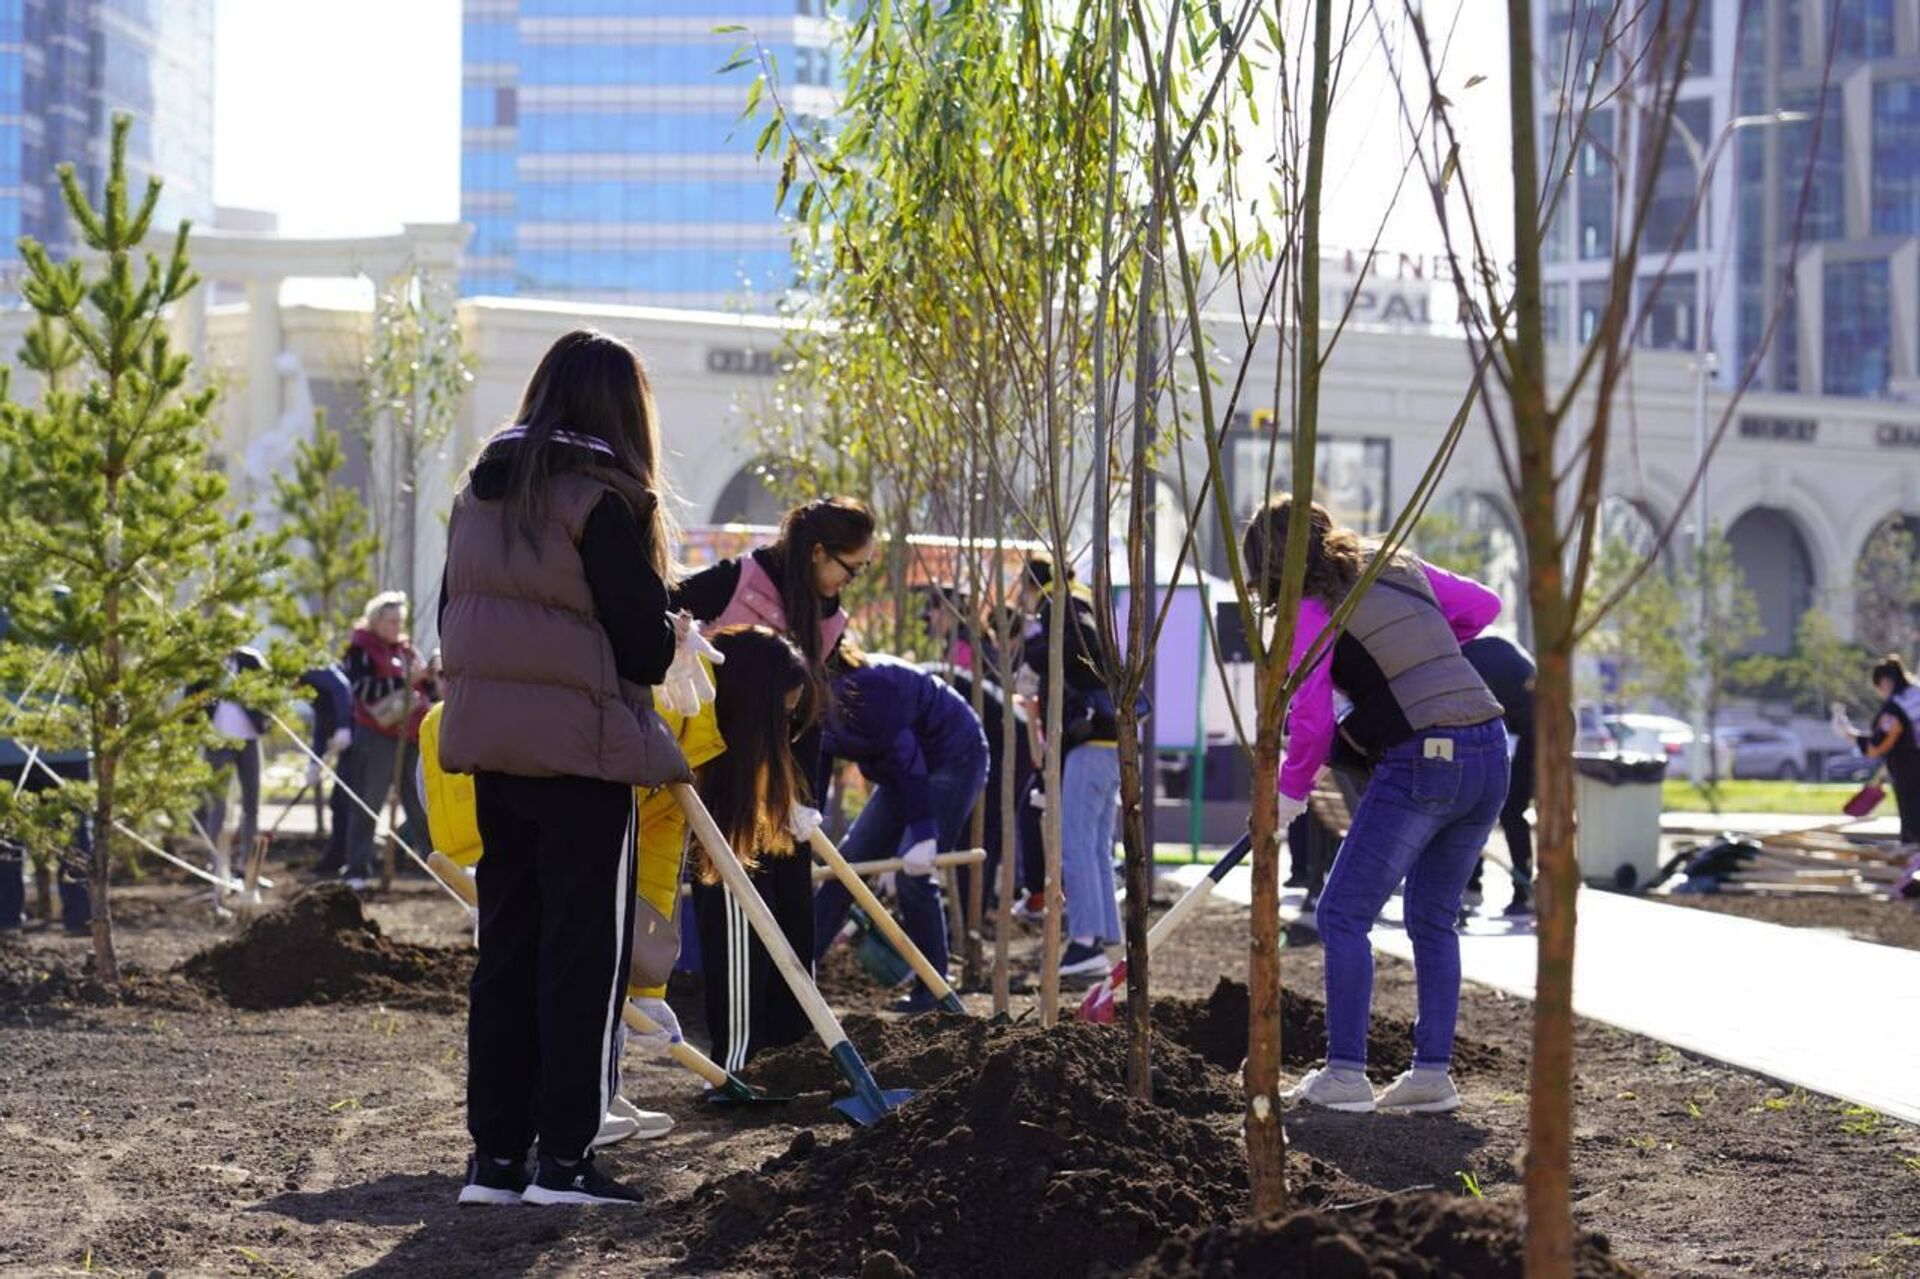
{"x": 330, "y": 574}
{"x": 127, "y": 566}
{"x": 955, "y": 212}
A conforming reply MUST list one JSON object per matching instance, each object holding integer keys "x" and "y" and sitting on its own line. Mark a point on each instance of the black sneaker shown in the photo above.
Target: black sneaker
{"x": 1522, "y": 904}
{"x": 579, "y": 1183}
{"x": 492, "y": 1182}
{"x": 1089, "y": 963}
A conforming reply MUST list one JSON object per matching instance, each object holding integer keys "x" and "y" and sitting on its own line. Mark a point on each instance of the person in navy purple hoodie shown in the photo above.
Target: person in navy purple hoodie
{"x": 921, "y": 747}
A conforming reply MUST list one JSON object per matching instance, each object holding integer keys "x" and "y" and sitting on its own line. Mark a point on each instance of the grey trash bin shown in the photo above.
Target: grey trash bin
{"x": 1617, "y": 797}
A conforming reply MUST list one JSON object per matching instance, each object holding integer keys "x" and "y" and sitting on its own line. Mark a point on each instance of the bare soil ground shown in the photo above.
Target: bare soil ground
{"x": 178, "y": 1134}
{"x": 1875, "y": 919}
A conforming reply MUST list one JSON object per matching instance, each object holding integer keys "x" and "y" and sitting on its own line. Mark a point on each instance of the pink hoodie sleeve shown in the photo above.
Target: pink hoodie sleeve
{"x": 1469, "y": 606}
{"x": 1310, "y": 724}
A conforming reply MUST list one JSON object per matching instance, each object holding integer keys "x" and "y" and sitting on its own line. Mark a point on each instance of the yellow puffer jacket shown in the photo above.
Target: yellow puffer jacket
{"x": 455, "y": 828}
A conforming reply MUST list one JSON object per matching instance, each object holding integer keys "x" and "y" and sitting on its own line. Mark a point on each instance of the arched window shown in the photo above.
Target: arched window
{"x": 1772, "y": 555}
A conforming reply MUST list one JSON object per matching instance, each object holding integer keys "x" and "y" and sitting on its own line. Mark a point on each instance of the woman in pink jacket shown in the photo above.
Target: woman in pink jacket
{"x": 1432, "y": 731}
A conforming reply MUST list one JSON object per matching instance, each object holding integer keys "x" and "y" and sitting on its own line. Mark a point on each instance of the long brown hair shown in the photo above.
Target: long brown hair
{"x": 840, "y": 526}
{"x": 751, "y": 787}
{"x": 1335, "y": 556}
{"x": 593, "y": 385}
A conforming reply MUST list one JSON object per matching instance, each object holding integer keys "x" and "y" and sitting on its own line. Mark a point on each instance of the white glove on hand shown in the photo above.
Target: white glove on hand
{"x": 803, "y": 823}
{"x": 1840, "y": 723}
{"x": 1026, "y": 682}
{"x": 313, "y": 772}
{"x": 1288, "y": 809}
{"x": 341, "y": 739}
{"x": 1038, "y": 799}
{"x": 661, "y": 1014}
{"x": 687, "y": 686}
{"x": 918, "y": 860}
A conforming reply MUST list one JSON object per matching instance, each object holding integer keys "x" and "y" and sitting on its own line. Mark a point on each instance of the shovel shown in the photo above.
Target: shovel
{"x": 869, "y": 1101}
{"x": 1098, "y": 1004}
{"x": 888, "y": 926}
{"x": 726, "y": 1089}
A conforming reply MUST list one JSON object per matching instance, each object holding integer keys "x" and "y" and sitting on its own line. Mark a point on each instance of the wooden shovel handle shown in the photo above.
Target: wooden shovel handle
{"x": 734, "y": 876}
{"x": 889, "y": 927}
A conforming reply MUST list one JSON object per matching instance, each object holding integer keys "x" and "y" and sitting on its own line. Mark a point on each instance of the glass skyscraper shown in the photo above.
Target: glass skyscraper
{"x": 1837, "y": 256}
{"x": 65, "y": 69}
{"x": 603, "y": 157}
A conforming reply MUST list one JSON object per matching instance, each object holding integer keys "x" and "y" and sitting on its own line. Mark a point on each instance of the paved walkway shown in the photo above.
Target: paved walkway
{"x": 1827, "y": 1013}
{"x": 1886, "y": 826}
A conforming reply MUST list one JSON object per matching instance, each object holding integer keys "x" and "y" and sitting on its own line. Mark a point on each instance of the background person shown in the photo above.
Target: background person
{"x": 553, "y": 608}
{"x": 1431, "y": 728}
{"x": 793, "y": 587}
{"x": 1089, "y": 771}
{"x": 237, "y": 756}
{"x": 1509, "y": 671}
{"x": 921, "y": 747}
{"x": 384, "y": 671}
{"x": 1892, "y": 739}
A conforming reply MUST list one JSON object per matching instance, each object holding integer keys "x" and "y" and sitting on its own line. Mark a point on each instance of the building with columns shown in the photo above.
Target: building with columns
{"x": 1800, "y": 483}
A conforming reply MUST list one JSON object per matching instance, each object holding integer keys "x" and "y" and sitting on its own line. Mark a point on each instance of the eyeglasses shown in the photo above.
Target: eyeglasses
{"x": 851, "y": 570}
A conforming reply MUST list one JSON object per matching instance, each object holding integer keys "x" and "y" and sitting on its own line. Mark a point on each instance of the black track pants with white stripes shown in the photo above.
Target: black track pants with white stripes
{"x": 556, "y": 905}
{"x": 749, "y": 1005}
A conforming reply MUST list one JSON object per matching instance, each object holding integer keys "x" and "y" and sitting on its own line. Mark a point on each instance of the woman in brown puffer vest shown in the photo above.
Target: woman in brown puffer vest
{"x": 553, "y": 618}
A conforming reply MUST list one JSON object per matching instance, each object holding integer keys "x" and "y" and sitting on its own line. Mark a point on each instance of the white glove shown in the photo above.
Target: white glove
{"x": 1038, "y": 798}
{"x": 687, "y": 686}
{"x": 1288, "y": 809}
{"x": 803, "y": 823}
{"x": 1026, "y": 683}
{"x": 658, "y": 1011}
{"x": 883, "y": 886}
{"x": 1840, "y": 723}
{"x": 313, "y": 772}
{"x": 918, "y": 860}
{"x": 341, "y": 739}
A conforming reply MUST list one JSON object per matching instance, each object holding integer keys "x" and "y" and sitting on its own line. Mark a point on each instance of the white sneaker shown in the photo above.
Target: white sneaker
{"x": 652, "y": 1123}
{"x": 624, "y": 1120}
{"x": 1345, "y": 1090}
{"x": 1421, "y": 1092}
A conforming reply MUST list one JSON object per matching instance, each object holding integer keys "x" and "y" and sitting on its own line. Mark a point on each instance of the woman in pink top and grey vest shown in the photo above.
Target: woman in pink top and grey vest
{"x": 792, "y": 586}
{"x": 1432, "y": 731}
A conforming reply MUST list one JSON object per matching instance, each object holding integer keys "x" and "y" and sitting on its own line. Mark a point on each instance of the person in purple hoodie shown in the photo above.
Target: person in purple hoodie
{"x": 1425, "y": 720}
{"x": 921, "y": 746}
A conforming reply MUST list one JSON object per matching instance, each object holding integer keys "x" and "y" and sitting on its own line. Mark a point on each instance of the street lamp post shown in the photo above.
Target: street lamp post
{"x": 1705, "y": 364}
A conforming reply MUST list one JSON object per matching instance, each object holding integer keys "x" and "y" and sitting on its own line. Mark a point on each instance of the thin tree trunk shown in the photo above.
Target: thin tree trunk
{"x": 1139, "y": 857}
{"x": 1266, "y": 1139}
{"x": 1550, "y": 1104}
{"x": 43, "y": 890}
{"x": 1550, "y": 1096}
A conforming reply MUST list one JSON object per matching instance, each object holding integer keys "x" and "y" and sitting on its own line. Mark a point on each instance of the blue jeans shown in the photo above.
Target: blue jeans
{"x": 1089, "y": 810}
{"x": 1422, "y": 819}
{"x": 881, "y": 831}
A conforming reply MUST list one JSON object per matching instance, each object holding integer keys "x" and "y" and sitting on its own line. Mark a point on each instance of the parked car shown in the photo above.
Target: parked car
{"x": 1643, "y": 734}
{"x": 1767, "y": 750}
{"x": 1847, "y": 767}
{"x": 1590, "y": 734}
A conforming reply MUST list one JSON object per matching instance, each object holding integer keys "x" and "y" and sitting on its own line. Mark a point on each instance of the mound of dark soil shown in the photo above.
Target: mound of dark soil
{"x": 928, "y": 1050}
{"x": 1027, "y": 1159}
{"x": 30, "y": 981}
{"x": 1216, "y": 1028}
{"x": 1411, "y": 1236}
{"x": 320, "y": 948}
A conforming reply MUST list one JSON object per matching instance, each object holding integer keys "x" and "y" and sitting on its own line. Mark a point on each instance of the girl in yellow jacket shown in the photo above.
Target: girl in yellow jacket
{"x": 745, "y": 774}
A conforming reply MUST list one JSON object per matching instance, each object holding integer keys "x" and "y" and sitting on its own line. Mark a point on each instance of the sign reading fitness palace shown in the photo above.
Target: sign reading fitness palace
{"x": 1390, "y": 289}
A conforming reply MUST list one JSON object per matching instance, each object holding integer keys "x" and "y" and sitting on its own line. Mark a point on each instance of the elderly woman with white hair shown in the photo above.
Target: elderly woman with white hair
{"x": 385, "y": 673}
